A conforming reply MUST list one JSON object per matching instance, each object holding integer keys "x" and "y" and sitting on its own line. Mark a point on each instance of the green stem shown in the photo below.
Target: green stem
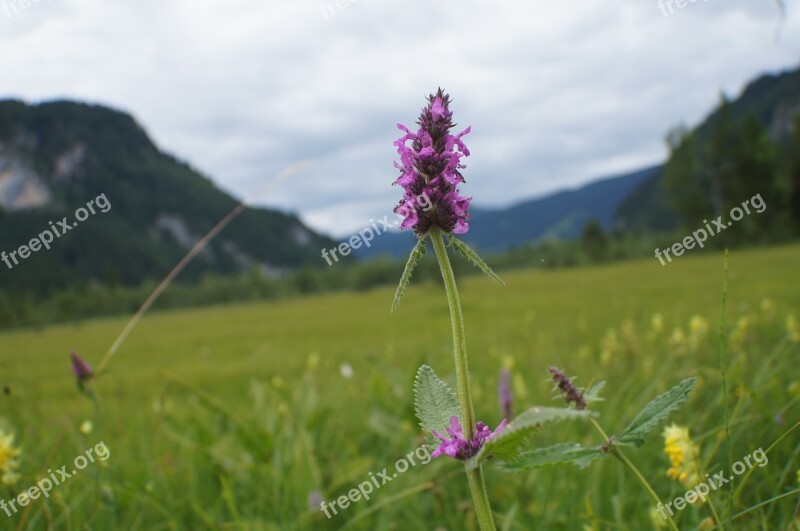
{"x": 459, "y": 338}
{"x": 635, "y": 471}
{"x": 477, "y": 485}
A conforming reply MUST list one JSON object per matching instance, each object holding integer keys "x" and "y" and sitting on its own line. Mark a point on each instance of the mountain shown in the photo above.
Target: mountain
{"x": 560, "y": 215}
{"x": 773, "y": 100}
{"x": 56, "y": 157}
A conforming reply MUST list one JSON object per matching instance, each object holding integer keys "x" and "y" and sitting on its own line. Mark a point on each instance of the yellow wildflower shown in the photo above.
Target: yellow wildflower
{"x": 698, "y": 325}
{"x": 312, "y": 362}
{"x": 707, "y": 524}
{"x": 767, "y": 306}
{"x": 86, "y": 427}
{"x": 698, "y": 331}
{"x": 792, "y": 328}
{"x": 628, "y": 330}
{"x": 678, "y": 341}
{"x": 657, "y": 324}
{"x": 9, "y": 462}
{"x": 658, "y": 521}
{"x": 739, "y": 334}
{"x": 609, "y": 346}
{"x": 520, "y": 389}
{"x": 684, "y": 456}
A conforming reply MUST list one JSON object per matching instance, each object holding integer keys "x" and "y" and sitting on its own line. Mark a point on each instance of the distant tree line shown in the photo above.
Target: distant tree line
{"x": 712, "y": 169}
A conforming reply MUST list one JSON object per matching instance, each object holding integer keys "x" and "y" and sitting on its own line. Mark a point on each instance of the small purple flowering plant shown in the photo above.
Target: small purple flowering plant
{"x": 457, "y": 446}
{"x": 82, "y": 370}
{"x": 431, "y": 164}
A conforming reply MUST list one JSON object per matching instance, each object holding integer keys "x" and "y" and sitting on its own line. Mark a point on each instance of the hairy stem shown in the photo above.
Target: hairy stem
{"x": 477, "y": 485}
{"x": 459, "y": 339}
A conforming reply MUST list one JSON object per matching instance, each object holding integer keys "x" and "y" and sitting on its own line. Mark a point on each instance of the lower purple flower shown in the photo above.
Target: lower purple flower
{"x": 457, "y": 446}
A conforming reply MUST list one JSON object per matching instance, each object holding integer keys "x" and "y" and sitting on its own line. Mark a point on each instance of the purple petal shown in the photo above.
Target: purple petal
{"x": 437, "y": 109}
{"x": 455, "y": 429}
{"x": 500, "y": 427}
{"x": 461, "y": 227}
{"x": 410, "y": 220}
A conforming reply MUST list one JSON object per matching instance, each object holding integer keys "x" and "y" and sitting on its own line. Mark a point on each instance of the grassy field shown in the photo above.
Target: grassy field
{"x": 238, "y": 417}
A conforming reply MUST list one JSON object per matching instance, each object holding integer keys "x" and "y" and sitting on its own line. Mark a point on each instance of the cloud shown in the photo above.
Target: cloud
{"x": 557, "y": 94}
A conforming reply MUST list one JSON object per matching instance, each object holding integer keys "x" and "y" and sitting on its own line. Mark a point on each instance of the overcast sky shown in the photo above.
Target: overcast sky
{"x": 557, "y": 93}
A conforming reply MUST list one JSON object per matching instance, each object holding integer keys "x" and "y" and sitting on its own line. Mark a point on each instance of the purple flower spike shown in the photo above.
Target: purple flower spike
{"x": 430, "y": 170}
{"x": 504, "y": 393}
{"x": 457, "y": 446}
{"x": 81, "y": 368}
{"x": 567, "y": 388}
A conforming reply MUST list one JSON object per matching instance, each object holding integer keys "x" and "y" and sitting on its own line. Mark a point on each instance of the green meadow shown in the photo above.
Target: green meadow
{"x": 239, "y": 416}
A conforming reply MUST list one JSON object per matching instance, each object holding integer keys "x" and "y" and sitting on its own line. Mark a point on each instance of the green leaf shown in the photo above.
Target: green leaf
{"x": 434, "y": 402}
{"x": 655, "y": 412}
{"x": 593, "y": 393}
{"x": 575, "y": 454}
{"x": 508, "y": 444}
{"x": 473, "y": 257}
{"x": 413, "y": 259}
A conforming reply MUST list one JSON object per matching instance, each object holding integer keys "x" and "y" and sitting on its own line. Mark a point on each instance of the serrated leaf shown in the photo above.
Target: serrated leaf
{"x": 508, "y": 443}
{"x": 434, "y": 402}
{"x": 656, "y": 411}
{"x": 575, "y": 454}
{"x": 413, "y": 259}
{"x": 473, "y": 257}
{"x": 593, "y": 393}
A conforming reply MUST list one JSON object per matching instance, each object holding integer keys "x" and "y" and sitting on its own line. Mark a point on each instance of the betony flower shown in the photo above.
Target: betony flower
{"x": 430, "y": 167}
{"x": 81, "y": 367}
{"x": 457, "y": 446}
{"x": 567, "y": 388}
